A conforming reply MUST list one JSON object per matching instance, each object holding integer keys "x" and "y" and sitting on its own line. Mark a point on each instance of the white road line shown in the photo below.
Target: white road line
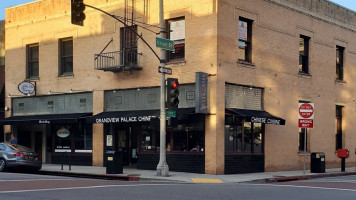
{"x": 27, "y": 180}
{"x": 310, "y": 187}
{"x": 88, "y": 187}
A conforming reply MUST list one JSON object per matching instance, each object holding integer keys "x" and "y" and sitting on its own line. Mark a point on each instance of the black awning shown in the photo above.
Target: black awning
{"x": 135, "y": 116}
{"x": 44, "y": 119}
{"x": 124, "y": 116}
{"x": 256, "y": 116}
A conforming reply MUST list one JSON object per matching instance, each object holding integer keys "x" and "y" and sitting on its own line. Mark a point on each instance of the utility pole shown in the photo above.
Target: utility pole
{"x": 162, "y": 167}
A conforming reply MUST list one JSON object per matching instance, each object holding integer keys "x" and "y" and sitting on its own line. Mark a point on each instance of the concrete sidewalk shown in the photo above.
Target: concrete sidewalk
{"x": 131, "y": 174}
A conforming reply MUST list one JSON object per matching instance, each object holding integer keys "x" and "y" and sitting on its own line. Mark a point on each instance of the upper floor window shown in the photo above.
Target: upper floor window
{"x": 128, "y": 44}
{"x": 245, "y": 34}
{"x": 32, "y": 61}
{"x": 304, "y": 54}
{"x": 66, "y": 57}
{"x": 177, "y": 35}
{"x": 340, "y": 63}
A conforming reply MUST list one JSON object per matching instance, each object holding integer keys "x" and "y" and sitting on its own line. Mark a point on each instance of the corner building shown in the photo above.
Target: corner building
{"x": 243, "y": 68}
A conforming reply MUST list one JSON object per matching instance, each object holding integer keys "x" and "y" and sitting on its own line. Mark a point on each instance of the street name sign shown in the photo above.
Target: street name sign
{"x": 305, "y": 115}
{"x": 164, "y": 44}
{"x": 165, "y": 70}
{"x": 171, "y": 113}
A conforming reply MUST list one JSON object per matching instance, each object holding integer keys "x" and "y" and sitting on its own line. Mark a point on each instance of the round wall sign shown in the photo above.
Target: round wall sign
{"x": 63, "y": 133}
{"x": 26, "y": 88}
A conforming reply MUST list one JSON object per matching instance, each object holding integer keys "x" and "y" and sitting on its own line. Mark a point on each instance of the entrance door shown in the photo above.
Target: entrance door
{"x": 38, "y": 143}
{"x": 126, "y": 142}
{"x": 24, "y": 138}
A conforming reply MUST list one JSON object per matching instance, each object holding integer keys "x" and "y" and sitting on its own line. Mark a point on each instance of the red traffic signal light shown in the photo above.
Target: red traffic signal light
{"x": 172, "y": 93}
{"x": 77, "y": 12}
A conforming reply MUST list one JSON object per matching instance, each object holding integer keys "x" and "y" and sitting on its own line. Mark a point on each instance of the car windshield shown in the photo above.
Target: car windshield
{"x": 20, "y": 148}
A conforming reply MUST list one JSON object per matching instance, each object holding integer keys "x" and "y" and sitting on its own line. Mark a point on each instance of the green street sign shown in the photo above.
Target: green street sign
{"x": 164, "y": 44}
{"x": 171, "y": 113}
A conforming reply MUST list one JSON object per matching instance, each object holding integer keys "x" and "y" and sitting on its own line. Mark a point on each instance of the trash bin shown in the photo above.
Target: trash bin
{"x": 317, "y": 162}
{"x": 114, "y": 164}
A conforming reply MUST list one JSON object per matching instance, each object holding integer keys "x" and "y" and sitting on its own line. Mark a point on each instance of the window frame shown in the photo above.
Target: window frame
{"x": 338, "y": 127}
{"x": 62, "y": 57}
{"x": 181, "y": 41}
{"x": 237, "y": 133}
{"x": 304, "y": 58}
{"x": 340, "y": 53}
{"x": 30, "y": 61}
{"x": 248, "y": 41}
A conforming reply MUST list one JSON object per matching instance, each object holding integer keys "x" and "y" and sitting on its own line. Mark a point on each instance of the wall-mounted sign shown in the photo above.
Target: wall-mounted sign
{"x": 201, "y": 92}
{"x": 26, "y": 88}
{"x": 63, "y": 133}
{"x": 124, "y": 119}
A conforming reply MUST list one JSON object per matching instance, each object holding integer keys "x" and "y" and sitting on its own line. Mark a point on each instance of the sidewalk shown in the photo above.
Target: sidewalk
{"x": 150, "y": 175}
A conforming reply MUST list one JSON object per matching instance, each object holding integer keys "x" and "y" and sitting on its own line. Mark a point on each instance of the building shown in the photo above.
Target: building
{"x": 85, "y": 90}
{"x": 2, "y": 75}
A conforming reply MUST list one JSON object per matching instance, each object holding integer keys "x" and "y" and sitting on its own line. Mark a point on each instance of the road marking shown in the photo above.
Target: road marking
{"x": 28, "y": 180}
{"x": 206, "y": 180}
{"x": 87, "y": 187}
{"x": 301, "y": 186}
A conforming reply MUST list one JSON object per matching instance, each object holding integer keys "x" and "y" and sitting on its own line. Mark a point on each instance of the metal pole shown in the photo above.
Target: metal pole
{"x": 162, "y": 167}
{"x": 305, "y": 147}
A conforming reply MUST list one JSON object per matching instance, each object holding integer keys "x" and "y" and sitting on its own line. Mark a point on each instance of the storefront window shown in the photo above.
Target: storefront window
{"x": 185, "y": 140}
{"x": 63, "y": 136}
{"x": 186, "y": 137}
{"x": 83, "y": 139}
{"x": 248, "y": 139}
{"x": 257, "y": 138}
{"x": 149, "y": 140}
{"x": 67, "y": 135}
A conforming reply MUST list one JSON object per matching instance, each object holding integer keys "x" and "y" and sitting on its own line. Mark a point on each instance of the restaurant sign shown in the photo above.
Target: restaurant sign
{"x": 201, "y": 92}
{"x": 26, "y": 88}
{"x": 124, "y": 119}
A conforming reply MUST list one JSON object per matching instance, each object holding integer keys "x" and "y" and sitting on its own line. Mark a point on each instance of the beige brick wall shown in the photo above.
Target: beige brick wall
{"x": 275, "y": 39}
{"x": 211, "y": 47}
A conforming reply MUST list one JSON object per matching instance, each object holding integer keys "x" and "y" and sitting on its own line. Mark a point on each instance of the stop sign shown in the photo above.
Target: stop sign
{"x": 306, "y": 111}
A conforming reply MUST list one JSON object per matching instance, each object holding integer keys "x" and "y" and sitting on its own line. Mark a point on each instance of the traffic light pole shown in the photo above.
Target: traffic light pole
{"x": 162, "y": 167}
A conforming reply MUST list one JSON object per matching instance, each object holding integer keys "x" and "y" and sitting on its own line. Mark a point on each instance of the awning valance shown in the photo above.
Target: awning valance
{"x": 134, "y": 116}
{"x": 256, "y": 116}
{"x": 44, "y": 119}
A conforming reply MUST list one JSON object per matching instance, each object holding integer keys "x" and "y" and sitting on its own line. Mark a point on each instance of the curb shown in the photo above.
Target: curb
{"x": 87, "y": 175}
{"x": 307, "y": 177}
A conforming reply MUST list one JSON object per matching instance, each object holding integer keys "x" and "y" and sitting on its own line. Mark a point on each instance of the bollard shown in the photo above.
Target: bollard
{"x": 62, "y": 161}
{"x": 70, "y": 166}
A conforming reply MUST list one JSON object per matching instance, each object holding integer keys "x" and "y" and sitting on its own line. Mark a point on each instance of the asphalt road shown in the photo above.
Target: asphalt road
{"x": 35, "y": 187}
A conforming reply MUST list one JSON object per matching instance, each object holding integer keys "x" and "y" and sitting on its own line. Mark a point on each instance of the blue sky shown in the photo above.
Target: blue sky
{"x": 351, "y": 4}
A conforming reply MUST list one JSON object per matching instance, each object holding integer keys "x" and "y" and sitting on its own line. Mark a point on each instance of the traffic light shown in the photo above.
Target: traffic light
{"x": 78, "y": 15}
{"x": 172, "y": 93}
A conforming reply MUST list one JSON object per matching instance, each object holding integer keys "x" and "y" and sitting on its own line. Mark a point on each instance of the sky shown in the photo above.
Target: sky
{"x": 350, "y": 4}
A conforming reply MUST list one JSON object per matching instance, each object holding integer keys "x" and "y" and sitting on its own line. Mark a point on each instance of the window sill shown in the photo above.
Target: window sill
{"x": 176, "y": 63}
{"x": 340, "y": 82}
{"x": 32, "y": 79}
{"x": 301, "y": 153}
{"x": 304, "y": 75}
{"x": 66, "y": 76}
{"x": 246, "y": 64}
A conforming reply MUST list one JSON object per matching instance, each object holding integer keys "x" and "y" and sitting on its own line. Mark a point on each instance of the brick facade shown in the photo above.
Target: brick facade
{"x": 211, "y": 29}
